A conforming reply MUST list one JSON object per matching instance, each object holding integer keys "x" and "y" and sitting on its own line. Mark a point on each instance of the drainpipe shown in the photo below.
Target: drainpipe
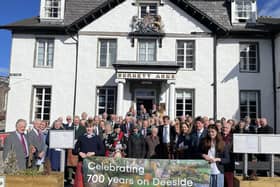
{"x": 215, "y": 77}
{"x": 76, "y": 70}
{"x": 274, "y": 83}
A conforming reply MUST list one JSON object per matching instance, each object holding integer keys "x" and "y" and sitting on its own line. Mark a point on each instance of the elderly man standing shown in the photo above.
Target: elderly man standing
{"x": 36, "y": 138}
{"x": 18, "y": 142}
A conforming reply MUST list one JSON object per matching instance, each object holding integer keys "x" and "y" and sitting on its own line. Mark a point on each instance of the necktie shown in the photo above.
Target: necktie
{"x": 145, "y": 132}
{"x": 23, "y": 144}
{"x": 40, "y": 136}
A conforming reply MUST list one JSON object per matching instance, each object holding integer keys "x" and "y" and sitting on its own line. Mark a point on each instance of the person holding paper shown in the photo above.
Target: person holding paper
{"x": 36, "y": 138}
{"x": 54, "y": 154}
{"x": 217, "y": 154}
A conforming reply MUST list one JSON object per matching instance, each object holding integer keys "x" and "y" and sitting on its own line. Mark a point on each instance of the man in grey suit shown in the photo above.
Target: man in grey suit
{"x": 36, "y": 138}
{"x": 18, "y": 142}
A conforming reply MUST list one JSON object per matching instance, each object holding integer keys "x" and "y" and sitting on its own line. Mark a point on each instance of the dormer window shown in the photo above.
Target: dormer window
{"x": 53, "y": 8}
{"x": 148, "y": 8}
{"x": 243, "y": 11}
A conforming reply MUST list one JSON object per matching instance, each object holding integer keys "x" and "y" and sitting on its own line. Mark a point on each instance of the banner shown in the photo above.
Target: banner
{"x": 127, "y": 172}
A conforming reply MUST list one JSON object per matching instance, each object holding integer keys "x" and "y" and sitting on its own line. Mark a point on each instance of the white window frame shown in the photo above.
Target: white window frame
{"x": 108, "y": 43}
{"x": 50, "y": 9}
{"x": 147, "y": 4}
{"x": 146, "y": 41}
{"x": 42, "y": 106}
{"x": 247, "y": 94}
{"x": 244, "y": 10}
{"x": 185, "y": 54}
{"x": 246, "y": 67}
{"x": 188, "y": 91}
{"x": 106, "y": 99}
{"x": 46, "y": 42}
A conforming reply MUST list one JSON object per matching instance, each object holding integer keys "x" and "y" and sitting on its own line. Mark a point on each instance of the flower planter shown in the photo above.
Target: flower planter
{"x": 261, "y": 182}
{"x": 55, "y": 179}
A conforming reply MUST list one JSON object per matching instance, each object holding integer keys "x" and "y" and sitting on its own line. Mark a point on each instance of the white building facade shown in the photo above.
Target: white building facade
{"x": 190, "y": 57}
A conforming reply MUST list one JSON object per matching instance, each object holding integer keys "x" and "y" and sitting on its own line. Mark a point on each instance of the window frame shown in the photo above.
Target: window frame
{"x": 141, "y": 4}
{"x": 146, "y": 50}
{"x": 244, "y": 10}
{"x": 106, "y": 98}
{"x": 189, "y": 90}
{"x": 247, "y": 70}
{"x": 258, "y": 100}
{"x": 33, "y": 102}
{"x": 107, "y": 52}
{"x": 59, "y": 9}
{"x": 46, "y": 41}
{"x": 194, "y": 55}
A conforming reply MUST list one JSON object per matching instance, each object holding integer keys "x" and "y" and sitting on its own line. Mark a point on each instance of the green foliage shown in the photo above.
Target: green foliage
{"x": 10, "y": 164}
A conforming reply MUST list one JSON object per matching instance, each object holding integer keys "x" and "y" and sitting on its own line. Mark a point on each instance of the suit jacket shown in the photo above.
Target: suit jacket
{"x": 80, "y": 131}
{"x": 125, "y": 130}
{"x": 37, "y": 141}
{"x": 172, "y": 134}
{"x": 148, "y": 132}
{"x": 136, "y": 146}
{"x": 265, "y": 130}
{"x": 196, "y": 143}
{"x": 224, "y": 156}
{"x": 152, "y": 146}
{"x": 68, "y": 127}
{"x": 12, "y": 142}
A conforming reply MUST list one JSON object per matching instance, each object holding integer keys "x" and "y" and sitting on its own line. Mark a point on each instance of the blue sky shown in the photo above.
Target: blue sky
{"x": 14, "y": 10}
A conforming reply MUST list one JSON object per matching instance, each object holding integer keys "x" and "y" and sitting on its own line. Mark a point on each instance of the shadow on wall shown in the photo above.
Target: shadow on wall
{"x": 232, "y": 74}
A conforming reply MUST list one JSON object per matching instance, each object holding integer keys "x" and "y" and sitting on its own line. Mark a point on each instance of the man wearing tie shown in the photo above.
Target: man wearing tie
{"x": 197, "y": 136}
{"x": 36, "y": 138}
{"x": 18, "y": 142}
{"x": 166, "y": 135}
{"x": 127, "y": 127}
{"x": 145, "y": 131}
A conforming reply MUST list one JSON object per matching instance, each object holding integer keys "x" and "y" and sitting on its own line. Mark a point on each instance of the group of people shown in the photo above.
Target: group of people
{"x": 144, "y": 135}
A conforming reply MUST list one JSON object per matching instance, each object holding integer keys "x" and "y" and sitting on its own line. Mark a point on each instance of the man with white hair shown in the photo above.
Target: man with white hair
{"x": 18, "y": 142}
{"x": 36, "y": 138}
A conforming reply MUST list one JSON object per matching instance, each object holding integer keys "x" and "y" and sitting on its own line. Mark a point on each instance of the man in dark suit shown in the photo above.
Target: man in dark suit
{"x": 36, "y": 138}
{"x": 145, "y": 130}
{"x": 127, "y": 127}
{"x": 69, "y": 124}
{"x": 97, "y": 128}
{"x": 17, "y": 141}
{"x": 167, "y": 136}
{"x": 265, "y": 128}
{"x": 196, "y": 138}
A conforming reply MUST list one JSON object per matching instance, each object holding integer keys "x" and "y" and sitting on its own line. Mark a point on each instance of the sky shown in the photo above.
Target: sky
{"x": 15, "y": 10}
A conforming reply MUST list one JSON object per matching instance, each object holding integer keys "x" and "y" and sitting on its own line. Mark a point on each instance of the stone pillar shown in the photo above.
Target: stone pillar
{"x": 171, "y": 107}
{"x": 120, "y": 94}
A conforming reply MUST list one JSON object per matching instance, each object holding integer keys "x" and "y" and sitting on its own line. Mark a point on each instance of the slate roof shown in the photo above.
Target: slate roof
{"x": 76, "y": 11}
{"x": 218, "y": 10}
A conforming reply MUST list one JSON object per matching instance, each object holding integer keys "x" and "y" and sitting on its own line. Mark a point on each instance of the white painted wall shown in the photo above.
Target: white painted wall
{"x": 230, "y": 80}
{"x": 113, "y": 25}
{"x": 119, "y": 19}
{"x": 60, "y": 77}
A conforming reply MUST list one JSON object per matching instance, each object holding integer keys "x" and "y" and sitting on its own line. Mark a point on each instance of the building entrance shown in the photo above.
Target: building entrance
{"x": 146, "y": 97}
{"x": 148, "y": 104}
